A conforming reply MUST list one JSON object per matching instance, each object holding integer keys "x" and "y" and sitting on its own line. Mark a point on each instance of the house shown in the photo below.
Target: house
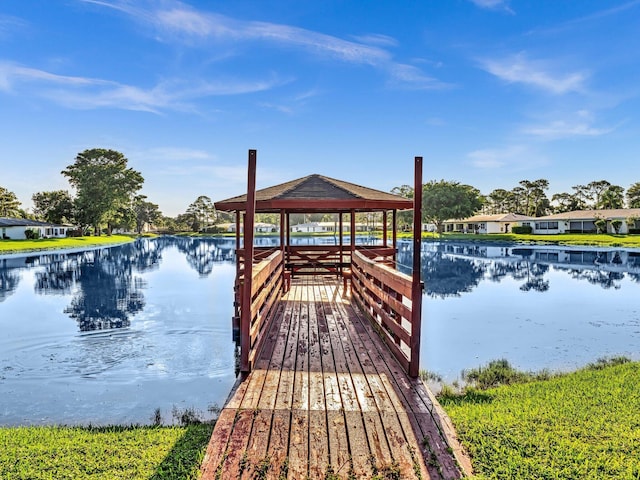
{"x": 258, "y": 227}
{"x": 16, "y": 228}
{"x": 324, "y": 227}
{"x": 498, "y": 223}
{"x": 584, "y": 221}
{"x": 315, "y": 227}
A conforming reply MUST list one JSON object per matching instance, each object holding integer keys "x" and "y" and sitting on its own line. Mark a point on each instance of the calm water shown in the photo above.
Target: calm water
{"x": 109, "y": 335}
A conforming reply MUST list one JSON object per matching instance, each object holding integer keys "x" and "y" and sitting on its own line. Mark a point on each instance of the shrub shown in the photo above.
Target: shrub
{"x": 500, "y": 372}
{"x": 522, "y": 229}
{"x": 32, "y": 234}
{"x": 616, "y": 224}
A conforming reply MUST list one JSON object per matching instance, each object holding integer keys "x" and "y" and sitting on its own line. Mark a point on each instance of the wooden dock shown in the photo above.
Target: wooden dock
{"x": 327, "y": 399}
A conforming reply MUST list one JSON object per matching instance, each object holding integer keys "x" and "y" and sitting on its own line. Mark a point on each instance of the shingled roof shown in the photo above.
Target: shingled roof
{"x": 317, "y": 193}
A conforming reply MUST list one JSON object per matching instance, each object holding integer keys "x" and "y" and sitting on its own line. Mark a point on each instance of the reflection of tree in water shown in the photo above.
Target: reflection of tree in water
{"x": 108, "y": 294}
{"x": 598, "y": 277}
{"x": 203, "y": 253}
{"x": 8, "y": 283}
{"x": 443, "y": 275}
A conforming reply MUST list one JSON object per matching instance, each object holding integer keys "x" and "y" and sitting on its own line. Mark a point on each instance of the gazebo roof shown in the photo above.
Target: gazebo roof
{"x": 317, "y": 193}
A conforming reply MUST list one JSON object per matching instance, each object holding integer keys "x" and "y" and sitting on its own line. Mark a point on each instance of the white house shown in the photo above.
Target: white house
{"x": 324, "y": 227}
{"x": 258, "y": 227}
{"x": 498, "y": 223}
{"x": 584, "y": 221}
{"x": 16, "y": 228}
{"x": 315, "y": 227}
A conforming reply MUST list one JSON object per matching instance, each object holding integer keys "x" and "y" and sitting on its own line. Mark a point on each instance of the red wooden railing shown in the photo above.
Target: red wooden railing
{"x": 267, "y": 277}
{"x": 385, "y": 295}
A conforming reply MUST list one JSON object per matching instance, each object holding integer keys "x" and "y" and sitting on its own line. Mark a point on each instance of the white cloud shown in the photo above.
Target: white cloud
{"x": 493, "y": 5}
{"x": 88, "y": 93}
{"x": 539, "y": 74}
{"x": 563, "y": 129}
{"x": 496, "y": 158}
{"x": 185, "y": 23}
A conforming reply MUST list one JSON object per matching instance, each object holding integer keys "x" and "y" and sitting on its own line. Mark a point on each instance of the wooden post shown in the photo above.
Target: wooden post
{"x": 247, "y": 293}
{"x": 416, "y": 287}
{"x": 384, "y": 229}
{"x": 394, "y": 237}
{"x": 341, "y": 242}
{"x": 353, "y": 233}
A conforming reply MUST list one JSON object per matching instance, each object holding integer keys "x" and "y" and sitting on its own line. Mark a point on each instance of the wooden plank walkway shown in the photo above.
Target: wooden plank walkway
{"x": 326, "y": 399}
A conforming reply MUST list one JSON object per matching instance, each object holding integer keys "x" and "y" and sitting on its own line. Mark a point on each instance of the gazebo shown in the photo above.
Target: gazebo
{"x": 271, "y": 269}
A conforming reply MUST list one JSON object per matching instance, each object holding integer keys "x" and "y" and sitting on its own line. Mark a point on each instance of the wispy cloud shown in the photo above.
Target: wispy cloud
{"x": 539, "y": 74}
{"x": 494, "y": 5}
{"x": 9, "y": 24}
{"x": 581, "y": 124}
{"x": 88, "y": 93}
{"x": 513, "y": 155}
{"x": 178, "y": 21}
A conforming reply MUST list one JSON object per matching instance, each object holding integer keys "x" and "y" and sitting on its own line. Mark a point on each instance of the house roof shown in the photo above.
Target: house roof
{"x": 24, "y": 222}
{"x": 499, "y": 217}
{"x": 608, "y": 214}
{"x": 317, "y": 193}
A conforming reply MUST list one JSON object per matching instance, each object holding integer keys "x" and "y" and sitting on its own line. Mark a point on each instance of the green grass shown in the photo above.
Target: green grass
{"x": 108, "y": 453}
{"x": 560, "y": 239}
{"x": 583, "y": 425}
{"x": 16, "y": 246}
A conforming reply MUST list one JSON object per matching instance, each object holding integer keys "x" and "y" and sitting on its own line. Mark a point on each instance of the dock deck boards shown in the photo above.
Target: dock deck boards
{"x": 326, "y": 396}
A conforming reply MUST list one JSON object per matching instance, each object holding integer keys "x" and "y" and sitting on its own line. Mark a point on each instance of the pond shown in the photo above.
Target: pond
{"x": 109, "y": 335}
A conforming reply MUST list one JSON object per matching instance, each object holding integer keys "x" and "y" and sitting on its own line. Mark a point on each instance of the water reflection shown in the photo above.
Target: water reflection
{"x": 105, "y": 284}
{"x": 451, "y": 269}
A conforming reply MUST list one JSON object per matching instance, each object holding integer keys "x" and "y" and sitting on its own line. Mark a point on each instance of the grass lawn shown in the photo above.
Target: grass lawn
{"x": 601, "y": 240}
{"x": 583, "y": 425}
{"x": 107, "y": 453}
{"x": 16, "y": 246}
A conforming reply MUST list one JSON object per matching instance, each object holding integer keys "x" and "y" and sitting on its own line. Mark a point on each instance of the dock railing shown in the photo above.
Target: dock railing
{"x": 385, "y": 295}
{"x": 266, "y": 278}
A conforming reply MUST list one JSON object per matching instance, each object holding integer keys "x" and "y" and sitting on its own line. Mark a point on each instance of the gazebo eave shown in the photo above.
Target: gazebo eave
{"x": 317, "y": 205}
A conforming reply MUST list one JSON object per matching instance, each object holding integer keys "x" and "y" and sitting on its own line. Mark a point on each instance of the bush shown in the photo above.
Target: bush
{"x": 32, "y": 234}
{"x": 522, "y": 229}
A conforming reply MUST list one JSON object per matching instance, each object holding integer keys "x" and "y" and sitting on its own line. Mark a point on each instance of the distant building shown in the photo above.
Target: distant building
{"x": 326, "y": 227}
{"x": 16, "y": 228}
{"x": 498, "y": 223}
{"x": 257, "y": 227}
{"x": 584, "y": 221}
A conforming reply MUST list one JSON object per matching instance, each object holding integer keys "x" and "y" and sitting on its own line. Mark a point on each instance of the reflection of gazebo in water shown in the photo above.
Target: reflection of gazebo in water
{"x": 328, "y": 384}
{"x": 377, "y": 286}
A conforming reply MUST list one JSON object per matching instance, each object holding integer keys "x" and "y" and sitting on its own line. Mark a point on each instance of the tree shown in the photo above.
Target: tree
{"x": 404, "y": 218}
{"x": 104, "y": 186}
{"x": 633, "y": 196}
{"x": 612, "y": 197}
{"x": 591, "y": 193}
{"x": 536, "y": 202}
{"x": 145, "y": 212}
{"x": 202, "y": 210}
{"x": 567, "y": 202}
{"x": 444, "y": 200}
{"x": 54, "y": 207}
{"x": 9, "y": 204}
{"x": 499, "y": 201}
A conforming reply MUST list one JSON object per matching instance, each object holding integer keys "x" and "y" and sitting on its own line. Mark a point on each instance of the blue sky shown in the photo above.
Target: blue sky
{"x": 489, "y": 92}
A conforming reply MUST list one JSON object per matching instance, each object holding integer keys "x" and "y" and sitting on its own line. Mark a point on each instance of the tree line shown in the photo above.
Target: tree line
{"x": 107, "y": 197}
{"x": 443, "y": 200}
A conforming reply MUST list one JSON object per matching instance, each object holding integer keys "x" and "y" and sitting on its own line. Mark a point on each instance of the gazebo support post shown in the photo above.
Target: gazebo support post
{"x": 245, "y": 319}
{"x": 384, "y": 229}
{"x": 394, "y": 236}
{"x": 416, "y": 286}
